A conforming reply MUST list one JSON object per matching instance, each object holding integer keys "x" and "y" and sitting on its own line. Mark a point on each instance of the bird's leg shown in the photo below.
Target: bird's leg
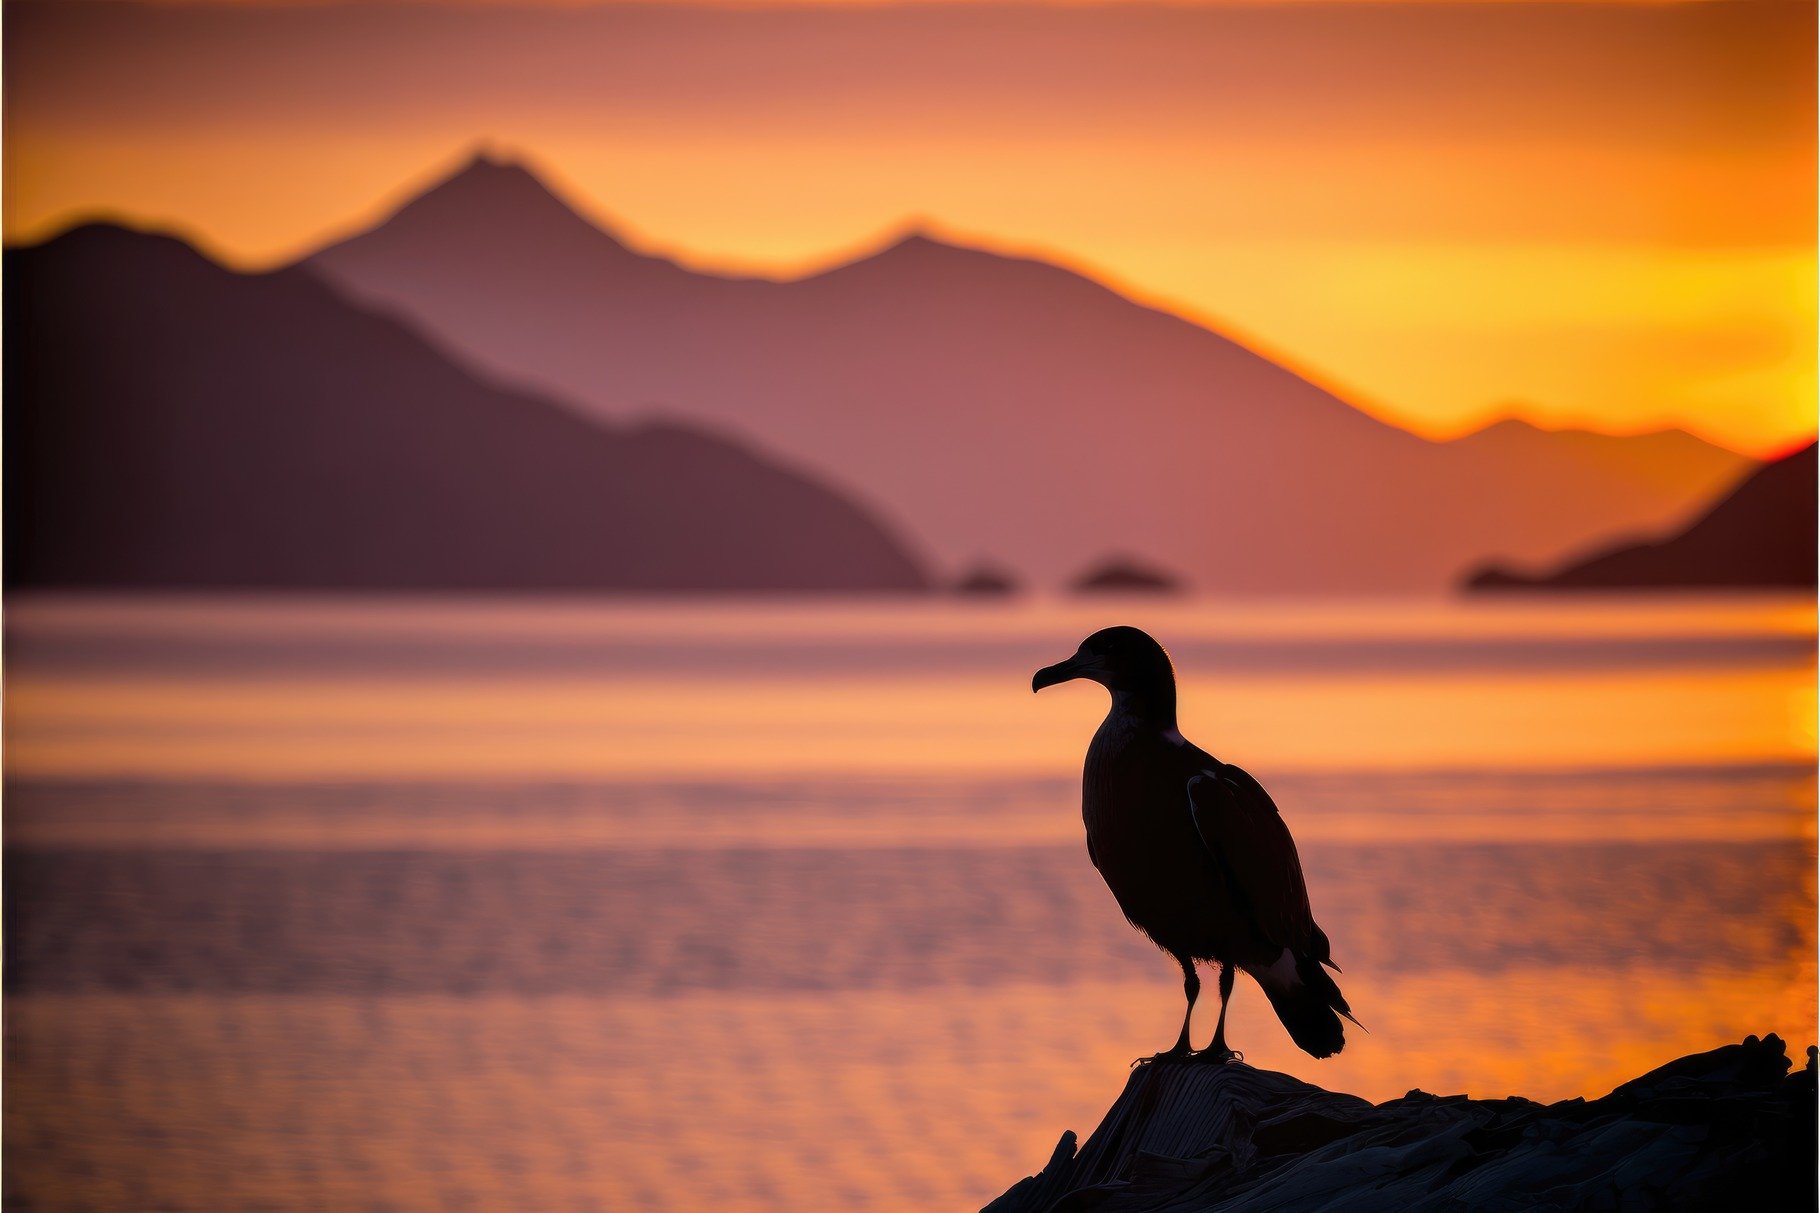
{"x": 1191, "y": 986}
{"x": 1217, "y": 1051}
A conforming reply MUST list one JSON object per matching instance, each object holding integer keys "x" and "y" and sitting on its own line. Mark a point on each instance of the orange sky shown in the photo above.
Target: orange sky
{"x": 1594, "y": 214}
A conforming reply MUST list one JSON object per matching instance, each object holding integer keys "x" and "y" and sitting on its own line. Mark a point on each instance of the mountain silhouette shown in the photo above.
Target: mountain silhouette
{"x": 1762, "y": 533}
{"x": 1669, "y": 459}
{"x": 171, "y": 423}
{"x": 999, "y": 403}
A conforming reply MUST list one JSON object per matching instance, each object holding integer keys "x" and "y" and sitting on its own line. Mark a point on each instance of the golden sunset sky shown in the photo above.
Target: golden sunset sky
{"x": 1581, "y": 213}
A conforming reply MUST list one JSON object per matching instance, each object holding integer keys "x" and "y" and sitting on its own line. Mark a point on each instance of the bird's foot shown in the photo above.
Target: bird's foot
{"x": 1219, "y": 1056}
{"x": 1176, "y": 1053}
{"x": 1179, "y": 1052}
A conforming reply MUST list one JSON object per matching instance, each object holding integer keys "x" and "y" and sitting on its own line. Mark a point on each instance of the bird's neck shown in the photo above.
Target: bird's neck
{"x": 1150, "y": 707}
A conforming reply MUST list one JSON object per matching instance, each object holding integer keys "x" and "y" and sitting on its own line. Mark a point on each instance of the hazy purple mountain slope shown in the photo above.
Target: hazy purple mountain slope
{"x": 170, "y": 423}
{"x": 997, "y": 406}
{"x": 1762, "y": 533}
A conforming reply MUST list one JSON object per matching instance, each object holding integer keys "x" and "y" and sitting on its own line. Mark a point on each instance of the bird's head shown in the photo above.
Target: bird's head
{"x": 1123, "y": 660}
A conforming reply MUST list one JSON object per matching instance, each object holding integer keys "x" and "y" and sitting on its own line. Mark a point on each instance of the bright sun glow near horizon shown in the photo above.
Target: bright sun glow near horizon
{"x": 1583, "y": 215}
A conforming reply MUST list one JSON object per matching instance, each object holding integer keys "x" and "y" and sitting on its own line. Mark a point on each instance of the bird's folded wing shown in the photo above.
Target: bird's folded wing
{"x": 1242, "y": 830}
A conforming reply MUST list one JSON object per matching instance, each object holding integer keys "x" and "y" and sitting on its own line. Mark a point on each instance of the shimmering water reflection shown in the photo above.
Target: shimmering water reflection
{"x": 764, "y": 907}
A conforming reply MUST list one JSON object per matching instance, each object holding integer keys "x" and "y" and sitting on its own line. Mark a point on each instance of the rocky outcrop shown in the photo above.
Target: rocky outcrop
{"x": 1728, "y": 1129}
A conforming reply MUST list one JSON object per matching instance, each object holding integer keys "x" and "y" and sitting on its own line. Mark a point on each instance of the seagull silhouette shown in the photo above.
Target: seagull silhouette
{"x": 1195, "y": 850}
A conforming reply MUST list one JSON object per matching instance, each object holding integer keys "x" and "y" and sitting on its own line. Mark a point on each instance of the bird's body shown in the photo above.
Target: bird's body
{"x": 1194, "y": 849}
{"x": 1142, "y": 838}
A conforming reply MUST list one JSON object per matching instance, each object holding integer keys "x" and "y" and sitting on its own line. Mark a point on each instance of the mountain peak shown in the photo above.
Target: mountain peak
{"x": 920, "y": 240}
{"x": 1510, "y": 424}
{"x": 492, "y": 164}
{"x": 494, "y": 202}
{"x": 919, "y": 250}
{"x": 107, "y": 241}
{"x": 494, "y": 185}
{"x": 1514, "y": 428}
{"x": 916, "y": 237}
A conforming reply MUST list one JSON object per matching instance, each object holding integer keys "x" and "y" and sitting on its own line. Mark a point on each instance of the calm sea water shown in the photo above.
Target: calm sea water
{"x": 766, "y": 906}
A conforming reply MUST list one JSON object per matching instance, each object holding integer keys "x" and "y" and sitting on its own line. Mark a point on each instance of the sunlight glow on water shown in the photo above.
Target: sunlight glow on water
{"x": 775, "y": 906}
{"x": 426, "y": 692}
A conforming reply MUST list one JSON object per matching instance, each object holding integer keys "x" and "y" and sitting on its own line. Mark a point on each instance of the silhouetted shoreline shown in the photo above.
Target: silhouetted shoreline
{"x": 1760, "y": 534}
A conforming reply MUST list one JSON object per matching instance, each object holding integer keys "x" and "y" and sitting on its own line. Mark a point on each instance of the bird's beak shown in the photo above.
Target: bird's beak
{"x": 1061, "y": 671}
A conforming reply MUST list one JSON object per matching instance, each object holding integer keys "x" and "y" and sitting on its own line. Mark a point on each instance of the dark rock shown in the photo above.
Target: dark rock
{"x": 987, "y": 581}
{"x": 1126, "y": 577}
{"x": 1725, "y": 1129}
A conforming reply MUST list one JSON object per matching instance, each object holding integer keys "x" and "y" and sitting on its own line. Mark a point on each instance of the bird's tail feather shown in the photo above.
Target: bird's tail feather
{"x": 1310, "y": 1006}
